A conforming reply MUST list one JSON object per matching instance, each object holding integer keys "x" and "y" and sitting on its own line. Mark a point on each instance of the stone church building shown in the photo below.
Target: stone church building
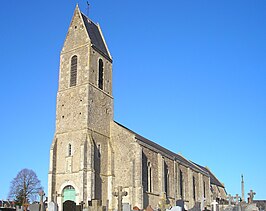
{"x": 92, "y": 155}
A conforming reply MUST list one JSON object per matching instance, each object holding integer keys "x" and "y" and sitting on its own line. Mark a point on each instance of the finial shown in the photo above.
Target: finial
{"x": 88, "y": 7}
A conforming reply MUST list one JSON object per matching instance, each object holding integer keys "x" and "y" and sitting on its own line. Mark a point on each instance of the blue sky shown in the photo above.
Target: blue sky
{"x": 189, "y": 75}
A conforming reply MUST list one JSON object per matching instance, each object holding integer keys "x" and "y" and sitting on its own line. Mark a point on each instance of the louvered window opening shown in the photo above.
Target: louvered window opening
{"x": 69, "y": 150}
{"x": 100, "y": 79}
{"x": 73, "y": 71}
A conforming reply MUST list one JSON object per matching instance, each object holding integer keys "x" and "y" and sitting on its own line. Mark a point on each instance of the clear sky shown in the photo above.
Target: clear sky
{"x": 187, "y": 74}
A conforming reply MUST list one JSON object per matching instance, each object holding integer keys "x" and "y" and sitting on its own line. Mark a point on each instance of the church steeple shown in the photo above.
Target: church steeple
{"x": 85, "y": 60}
{"x": 84, "y": 113}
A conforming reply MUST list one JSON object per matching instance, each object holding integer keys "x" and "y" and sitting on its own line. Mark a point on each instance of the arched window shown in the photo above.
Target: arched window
{"x": 194, "y": 188}
{"x": 69, "y": 150}
{"x": 100, "y": 76}
{"x": 149, "y": 175}
{"x": 166, "y": 179}
{"x": 73, "y": 70}
{"x": 181, "y": 184}
{"x": 204, "y": 189}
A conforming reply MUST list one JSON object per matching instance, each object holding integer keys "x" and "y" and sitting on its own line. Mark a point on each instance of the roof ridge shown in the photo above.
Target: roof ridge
{"x": 166, "y": 151}
{"x": 211, "y": 175}
{"x": 88, "y": 18}
{"x": 96, "y": 37}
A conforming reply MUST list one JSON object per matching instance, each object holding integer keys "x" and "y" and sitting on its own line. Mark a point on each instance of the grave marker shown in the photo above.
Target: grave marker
{"x": 52, "y": 206}
{"x": 251, "y": 196}
{"x": 119, "y": 194}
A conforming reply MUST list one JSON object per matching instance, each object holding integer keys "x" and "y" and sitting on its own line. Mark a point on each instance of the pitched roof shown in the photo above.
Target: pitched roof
{"x": 148, "y": 143}
{"x": 96, "y": 37}
{"x": 213, "y": 179}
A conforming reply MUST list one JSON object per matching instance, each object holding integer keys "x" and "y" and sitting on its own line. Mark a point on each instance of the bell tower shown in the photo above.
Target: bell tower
{"x": 84, "y": 112}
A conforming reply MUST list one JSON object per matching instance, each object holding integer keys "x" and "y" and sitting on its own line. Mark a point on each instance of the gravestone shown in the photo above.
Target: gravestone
{"x": 230, "y": 199}
{"x": 52, "y": 206}
{"x": 149, "y": 208}
{"x": 34, "y": 207}
{"x": 126, "y": 207}
{"x": 18, "y": 208}
{"x": 252, "y": 207}
{"x": 214, "y": 205}
{"x": 180, "y": 203}
{"x": 202, "y": 203}
{"x": 228, "y": 208}
{"x": 236, "y": 199}
{"x": 96, "y": 206}
{"x": 176, "y": 208}
{"x": 163, "y": 202}
{"x": 197, "y": 206}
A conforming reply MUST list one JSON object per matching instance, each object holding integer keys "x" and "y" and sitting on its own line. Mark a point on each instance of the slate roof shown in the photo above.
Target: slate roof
{"x": 213, "y": 179}
{"x": 96, "y": 36}
{"x": 148, "y": 143}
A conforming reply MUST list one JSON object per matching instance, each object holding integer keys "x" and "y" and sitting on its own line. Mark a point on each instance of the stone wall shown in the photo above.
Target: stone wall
{"x": 127, "y": 165}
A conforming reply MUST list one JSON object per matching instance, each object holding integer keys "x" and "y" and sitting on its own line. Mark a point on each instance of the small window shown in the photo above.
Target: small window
{"x": 181, "y": 184}
{"x": 149, "y": 177}
{"x": 166, "y": 179}
{"x": 194, "y": 188}
{"x": 100, "y": 77}
{"x": 69, "y": 150}
{"x": 73, "y": 71}
{"x": 99, "y": 151}
{"x": 204, "y": 189}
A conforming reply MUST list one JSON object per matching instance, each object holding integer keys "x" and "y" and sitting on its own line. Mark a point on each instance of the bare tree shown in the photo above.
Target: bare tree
{"x": 24, "y": 186}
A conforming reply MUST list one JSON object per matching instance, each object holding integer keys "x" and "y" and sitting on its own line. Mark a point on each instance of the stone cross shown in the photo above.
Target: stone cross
{"x": 119, "y": 194}
{"x": 81, "y": 204}
{"x": 55, "y": 197}
{"x": 214, "y": 205}
{"x": 202, "y": 204}
{"x": 41, "y": 194}
{"x": 230, "y": 199}
{"x": 251, "y": 196}
{"x": 237, "y": 199}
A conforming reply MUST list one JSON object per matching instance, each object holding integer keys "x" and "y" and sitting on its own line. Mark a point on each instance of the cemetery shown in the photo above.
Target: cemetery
{"x": 233, "y": 203}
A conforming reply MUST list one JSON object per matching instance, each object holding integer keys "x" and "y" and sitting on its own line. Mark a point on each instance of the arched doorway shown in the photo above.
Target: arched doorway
{"x": 69, "y": 206}
{"x": 69, "y": 198}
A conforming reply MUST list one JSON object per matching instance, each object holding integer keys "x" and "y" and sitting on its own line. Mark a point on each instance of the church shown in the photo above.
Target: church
{"x": 92, "y": 156}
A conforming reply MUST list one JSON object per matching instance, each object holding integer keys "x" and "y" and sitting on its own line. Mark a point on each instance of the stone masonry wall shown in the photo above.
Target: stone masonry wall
{"x": 127, "y": 165}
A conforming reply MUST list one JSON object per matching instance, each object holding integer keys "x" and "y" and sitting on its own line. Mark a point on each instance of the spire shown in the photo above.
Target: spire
{"x": 242, "y": 188}
{"x": 77, "y": 10}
